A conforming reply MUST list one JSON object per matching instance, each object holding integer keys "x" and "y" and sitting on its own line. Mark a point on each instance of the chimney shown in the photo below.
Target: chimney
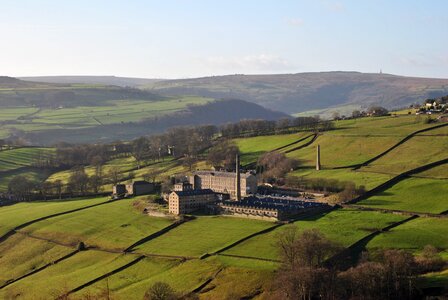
{"x": 238, "y": 178}
{"x": 318, "y": 158}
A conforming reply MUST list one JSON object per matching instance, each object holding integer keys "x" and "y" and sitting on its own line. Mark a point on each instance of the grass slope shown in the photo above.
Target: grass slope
{"x": 415, "y": 235}
{"x": 202, "y": 235}
{"x": 253, "y": 147}
{"x": 133, "y": 282}
{"x": 20, "y": 255}
{"x": 114, "y": 226}
{"x": 14, "y": 215}
{"x": 413, "y": 194}
{"x": 344, "y": 226}
{"x": 66, "y": 275}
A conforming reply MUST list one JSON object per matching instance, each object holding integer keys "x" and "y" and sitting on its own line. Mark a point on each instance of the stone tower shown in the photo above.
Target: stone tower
{"x": 318, "y": 158}
{"x": 238, "y": 179}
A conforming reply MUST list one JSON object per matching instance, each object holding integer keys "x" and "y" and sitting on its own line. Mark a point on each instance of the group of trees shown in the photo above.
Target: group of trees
{"x": 285, "y": 125}
{"x": 346, "y": 190}
{"x": 306, "y": 274}
{"x": 273, "y": 166}
{"x": 223, "y": 154}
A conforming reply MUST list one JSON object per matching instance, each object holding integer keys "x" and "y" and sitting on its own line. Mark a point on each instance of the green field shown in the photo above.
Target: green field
{"x": 417, "y": 151}
{"x": 367, "y": 179}
{"x": 202, "y": 235}
{"x": 114, "y": 226}
{"x": 341, "y": 151}
{"x": 66, "y": 275}
{"x": 344, "y": 226}
{"x": 22, "y": 157}
{"x": 415, "y": 235}
{"x": 14, "y": 215}
{"x": 134, "y": 281}
{"x": 253, "y": 147}
{"x": 20, "y": 255}
{"x": 91, "y": 115}
{"x": 413, "y": 194}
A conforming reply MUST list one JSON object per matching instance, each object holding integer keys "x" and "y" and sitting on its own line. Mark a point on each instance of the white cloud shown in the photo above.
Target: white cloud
{"x": 295, "y": 22}
{"x": 335, "y": 6}
{"x": 250, "y": 63}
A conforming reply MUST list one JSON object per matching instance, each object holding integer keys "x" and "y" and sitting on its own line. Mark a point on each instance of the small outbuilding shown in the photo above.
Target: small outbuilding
{"x": 140, "y": 187}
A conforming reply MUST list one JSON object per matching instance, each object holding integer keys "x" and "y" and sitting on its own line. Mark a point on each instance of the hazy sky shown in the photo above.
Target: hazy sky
{"x": 189, "y": 38}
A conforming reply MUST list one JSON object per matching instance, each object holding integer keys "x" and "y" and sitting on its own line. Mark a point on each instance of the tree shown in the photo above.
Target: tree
{"x": 140, "y": 150}
{"x": 95, "y": 183}
{"x": 356, "y": 114}
{"x": 160, "y": 291}
{"x": 21, "y": 187}
{"x": 377, "y": 111}
{"x": 275, "y": 165}
{"x": 223, "y": 154}
{"x": 302, "y": 274}
{"x": 78, "y": 181}
{"x": 114, "y": 175}
{"x": 57, "y": 185}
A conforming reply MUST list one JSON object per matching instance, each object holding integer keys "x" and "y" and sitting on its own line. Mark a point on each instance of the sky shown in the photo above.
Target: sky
{"x": 193, "y": 38}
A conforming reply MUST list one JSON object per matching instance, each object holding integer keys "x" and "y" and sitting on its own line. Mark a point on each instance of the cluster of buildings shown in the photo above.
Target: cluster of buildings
{"x": 223, "y": 193}
{"x": 231, "y": 193}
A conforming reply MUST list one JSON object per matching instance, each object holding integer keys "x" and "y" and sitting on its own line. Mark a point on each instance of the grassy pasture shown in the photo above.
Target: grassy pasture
{"x": 114, "y": 226}
{"x": 440, "y": 172}
{"x": 413, "y": 194}
{"x": 417, "y": 151}
{"x": 344, "y": 226}
{"x": 339, "y": 151}
{"x": 20, "y": 157}
{"x": 13, "y": 113}
{"x": 66, "y": 275}
{"x": 399, "y": 126}
{"x": 32, "y": 174}
{"x": 133, "y": 282}
{"x": 202, "y": 235}
{"x": 20, "y": 255}
{"x": 14, "y": 215}
{"x": 369, "y": 180}
{"x": 253, "y": 147}
{"x": 236, "y": 282}
{"x": 415, "y": 235}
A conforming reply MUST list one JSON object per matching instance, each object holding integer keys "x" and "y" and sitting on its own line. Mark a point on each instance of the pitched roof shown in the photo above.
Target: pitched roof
{"x": 194, "y": 192}
{"x": 222, "y": 174}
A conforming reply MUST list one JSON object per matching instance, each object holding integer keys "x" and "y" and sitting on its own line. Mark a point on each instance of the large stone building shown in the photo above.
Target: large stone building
{"x": 186, "y": 201}
{"x": 224, "y": 182}
{"x": 267, "y": 208}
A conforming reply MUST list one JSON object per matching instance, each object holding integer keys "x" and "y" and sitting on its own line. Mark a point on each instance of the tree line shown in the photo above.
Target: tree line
{"x": 306, "y": 273}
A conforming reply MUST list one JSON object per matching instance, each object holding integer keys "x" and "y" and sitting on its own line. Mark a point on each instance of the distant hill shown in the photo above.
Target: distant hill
{"x": 102, "y": 80}
{"x": 214, "y": 113}
{"x": 16, "y": 92}
{"x": 11, "y": 82}
{"x": 295, "y": 93}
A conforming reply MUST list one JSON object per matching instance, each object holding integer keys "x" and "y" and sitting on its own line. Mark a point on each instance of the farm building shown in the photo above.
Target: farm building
{"x": 119, "y": 189}
{"x": 140, "y": 187}
{"x": 135, "y": 188}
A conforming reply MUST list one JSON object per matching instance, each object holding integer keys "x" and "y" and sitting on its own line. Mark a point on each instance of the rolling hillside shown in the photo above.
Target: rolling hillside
{"x": 101, "y": 80}
{"x": 217, "y": 257}
{"x": 296, "y": 93}
{"x": 46, "y": 113}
